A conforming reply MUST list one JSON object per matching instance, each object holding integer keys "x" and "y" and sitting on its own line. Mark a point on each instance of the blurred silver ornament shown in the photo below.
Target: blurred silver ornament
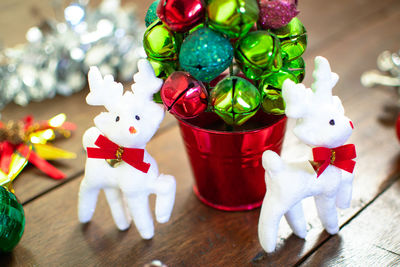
{"x": 58, "y": 54}
{"x": 389, "y": 64}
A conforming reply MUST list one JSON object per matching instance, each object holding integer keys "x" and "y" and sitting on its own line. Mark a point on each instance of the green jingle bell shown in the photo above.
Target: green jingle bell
{"x": 205, "y": 54}
{"x": 151, "y": 14}
{"x": 258, "y": 53}
{"x": 235, "y": 100}
{"x": 234, "y": 18}
{"x": 296, "y": 67}
{"x": 271, "y": 86}
{"x": 293, "y": 39}
{"x": 160, "y": 43}
{"x": 162, "y": 70}
{"x": 12, "y": 220}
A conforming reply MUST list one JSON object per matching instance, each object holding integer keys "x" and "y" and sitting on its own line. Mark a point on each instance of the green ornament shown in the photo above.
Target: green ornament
{"x": 151, "y": 14}
{"x": 162, "y": 70}
{"x": 273, "y": 102}
{"x": 160, "y": 43}
{"x": 234, "y": 18}
{"x": 293, "y": 39}
{"x": 258, "y": 54}
{"x": 296, "y": 67}
{"x": 12, "y": 220}
{"x": 271, "y": 87}
{"x": 235, "y": 100}
{"x": 205, "y": 54}
{"x": 276, "y": 79}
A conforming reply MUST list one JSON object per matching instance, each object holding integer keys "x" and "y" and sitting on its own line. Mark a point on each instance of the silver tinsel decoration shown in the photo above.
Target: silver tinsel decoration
{"x": 58, "y": 55}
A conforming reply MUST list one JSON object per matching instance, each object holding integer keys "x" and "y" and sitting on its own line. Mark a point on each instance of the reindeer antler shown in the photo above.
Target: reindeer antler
{"x": 324, "y": 79}
{"x": 146, "y": 82}
{"x": 103, "y": 92}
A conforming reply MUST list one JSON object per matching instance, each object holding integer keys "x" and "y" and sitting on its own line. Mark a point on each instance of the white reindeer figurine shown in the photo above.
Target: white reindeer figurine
{"x": 321, "y": 124}
{"x": 117, "y": 160}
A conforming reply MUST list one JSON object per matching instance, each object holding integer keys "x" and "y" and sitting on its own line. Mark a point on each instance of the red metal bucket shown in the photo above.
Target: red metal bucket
{"x": 227, "y": 164}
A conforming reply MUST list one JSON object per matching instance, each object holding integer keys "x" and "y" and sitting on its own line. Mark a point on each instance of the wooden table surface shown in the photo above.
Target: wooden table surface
{"x": 351, "y": 34}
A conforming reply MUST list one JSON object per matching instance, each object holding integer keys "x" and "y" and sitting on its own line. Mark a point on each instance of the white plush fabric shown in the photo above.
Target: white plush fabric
{"x": 126, "y": 188}
{"x": 290, "y": 182}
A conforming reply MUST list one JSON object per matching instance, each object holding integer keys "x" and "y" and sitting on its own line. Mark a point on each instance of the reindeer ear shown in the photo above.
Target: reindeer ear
{"x": 103, "y": 92}
{"x": 297, "y": 98}
{"x": 146, "y": 82}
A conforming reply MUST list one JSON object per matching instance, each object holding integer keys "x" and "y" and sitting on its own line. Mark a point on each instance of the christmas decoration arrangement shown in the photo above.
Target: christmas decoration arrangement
{"x": 192, "y": 44}
{"x": 59, "y": 53}
{"x": 321, "y": 124}
{"x": 22, "y": 142}
{"x": 27, "y": 141}
{"x": 117, "y": 160}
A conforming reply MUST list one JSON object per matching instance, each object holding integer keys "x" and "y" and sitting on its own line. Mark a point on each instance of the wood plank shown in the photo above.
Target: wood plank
{"x": 371, "y": 239}
{"x": 198, "y": 235}
{"x": 328, "y": 21}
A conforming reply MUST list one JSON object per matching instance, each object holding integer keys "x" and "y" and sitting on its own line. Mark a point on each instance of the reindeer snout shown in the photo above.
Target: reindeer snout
{"x": 351, "y": 124}
{"x": 132, "y": 130}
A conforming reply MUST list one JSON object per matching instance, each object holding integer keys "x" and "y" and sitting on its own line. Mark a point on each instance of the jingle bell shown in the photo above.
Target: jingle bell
{"x": 234, "y": 18}
{"x": 183, "y": 95}
{"x": 235, "y": 100}
{"x": 205, "y": 54}
{"x": 258, "y": 53}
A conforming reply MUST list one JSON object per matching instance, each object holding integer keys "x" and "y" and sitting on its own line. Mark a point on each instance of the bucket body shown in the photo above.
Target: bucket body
{"x": 227, "y": 164}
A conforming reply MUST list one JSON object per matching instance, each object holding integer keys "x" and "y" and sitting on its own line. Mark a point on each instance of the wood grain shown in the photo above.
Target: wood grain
{"x": 371, "y": 239}
{"x": 350, "y": 34}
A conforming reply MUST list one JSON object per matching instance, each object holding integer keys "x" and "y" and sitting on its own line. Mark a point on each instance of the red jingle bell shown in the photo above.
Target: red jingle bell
{"x": 181, "y": 15}
{"x": 183, "y": 95}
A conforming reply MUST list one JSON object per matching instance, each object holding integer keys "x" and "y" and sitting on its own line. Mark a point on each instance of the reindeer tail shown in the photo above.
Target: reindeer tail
{"x": 272, "y": 162}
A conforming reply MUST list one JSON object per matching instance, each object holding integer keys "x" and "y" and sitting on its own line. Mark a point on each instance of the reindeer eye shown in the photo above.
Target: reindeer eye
{"x": 137, "y": 117}
{"x": 332, "y": 122}
{"x": 117, "y": 118}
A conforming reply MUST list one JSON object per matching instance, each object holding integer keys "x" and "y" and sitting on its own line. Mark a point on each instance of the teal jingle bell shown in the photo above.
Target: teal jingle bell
{"x": 235, "y": 100}
{"x": 258, "y": 53}
{"x": 270, "y": 86}
{"x": 205, "y": 54}
{"x": 12, "y": 220}
{"x": 293, "y": 39}
{"x": 151, "y": 14}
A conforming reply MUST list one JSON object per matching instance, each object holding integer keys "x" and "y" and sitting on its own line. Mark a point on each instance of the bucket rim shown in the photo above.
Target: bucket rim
{"x": 240, "y": 132}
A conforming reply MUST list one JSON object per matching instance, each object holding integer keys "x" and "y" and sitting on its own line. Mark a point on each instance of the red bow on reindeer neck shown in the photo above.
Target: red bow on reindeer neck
{"x": 341, "y": 157}
{"x": 110, "y": 150}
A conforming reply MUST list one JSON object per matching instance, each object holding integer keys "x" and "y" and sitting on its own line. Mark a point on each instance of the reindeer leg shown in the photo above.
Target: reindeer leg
{"x": 117, "y": 206}
{"x": 270, "y": 216}
{"x": 87, "y": 201}
{"x": 296, "y": 220}
{"x": 343, "y": 197}
{"x": 327, "y": 213}
{"x": 141, "y": 215}
{"x": 165, "y": 188}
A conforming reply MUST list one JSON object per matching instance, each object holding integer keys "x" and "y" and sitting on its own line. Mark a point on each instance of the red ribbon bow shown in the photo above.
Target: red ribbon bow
{"x": 109, "y": 150}
{"x": 341, "y": 157}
